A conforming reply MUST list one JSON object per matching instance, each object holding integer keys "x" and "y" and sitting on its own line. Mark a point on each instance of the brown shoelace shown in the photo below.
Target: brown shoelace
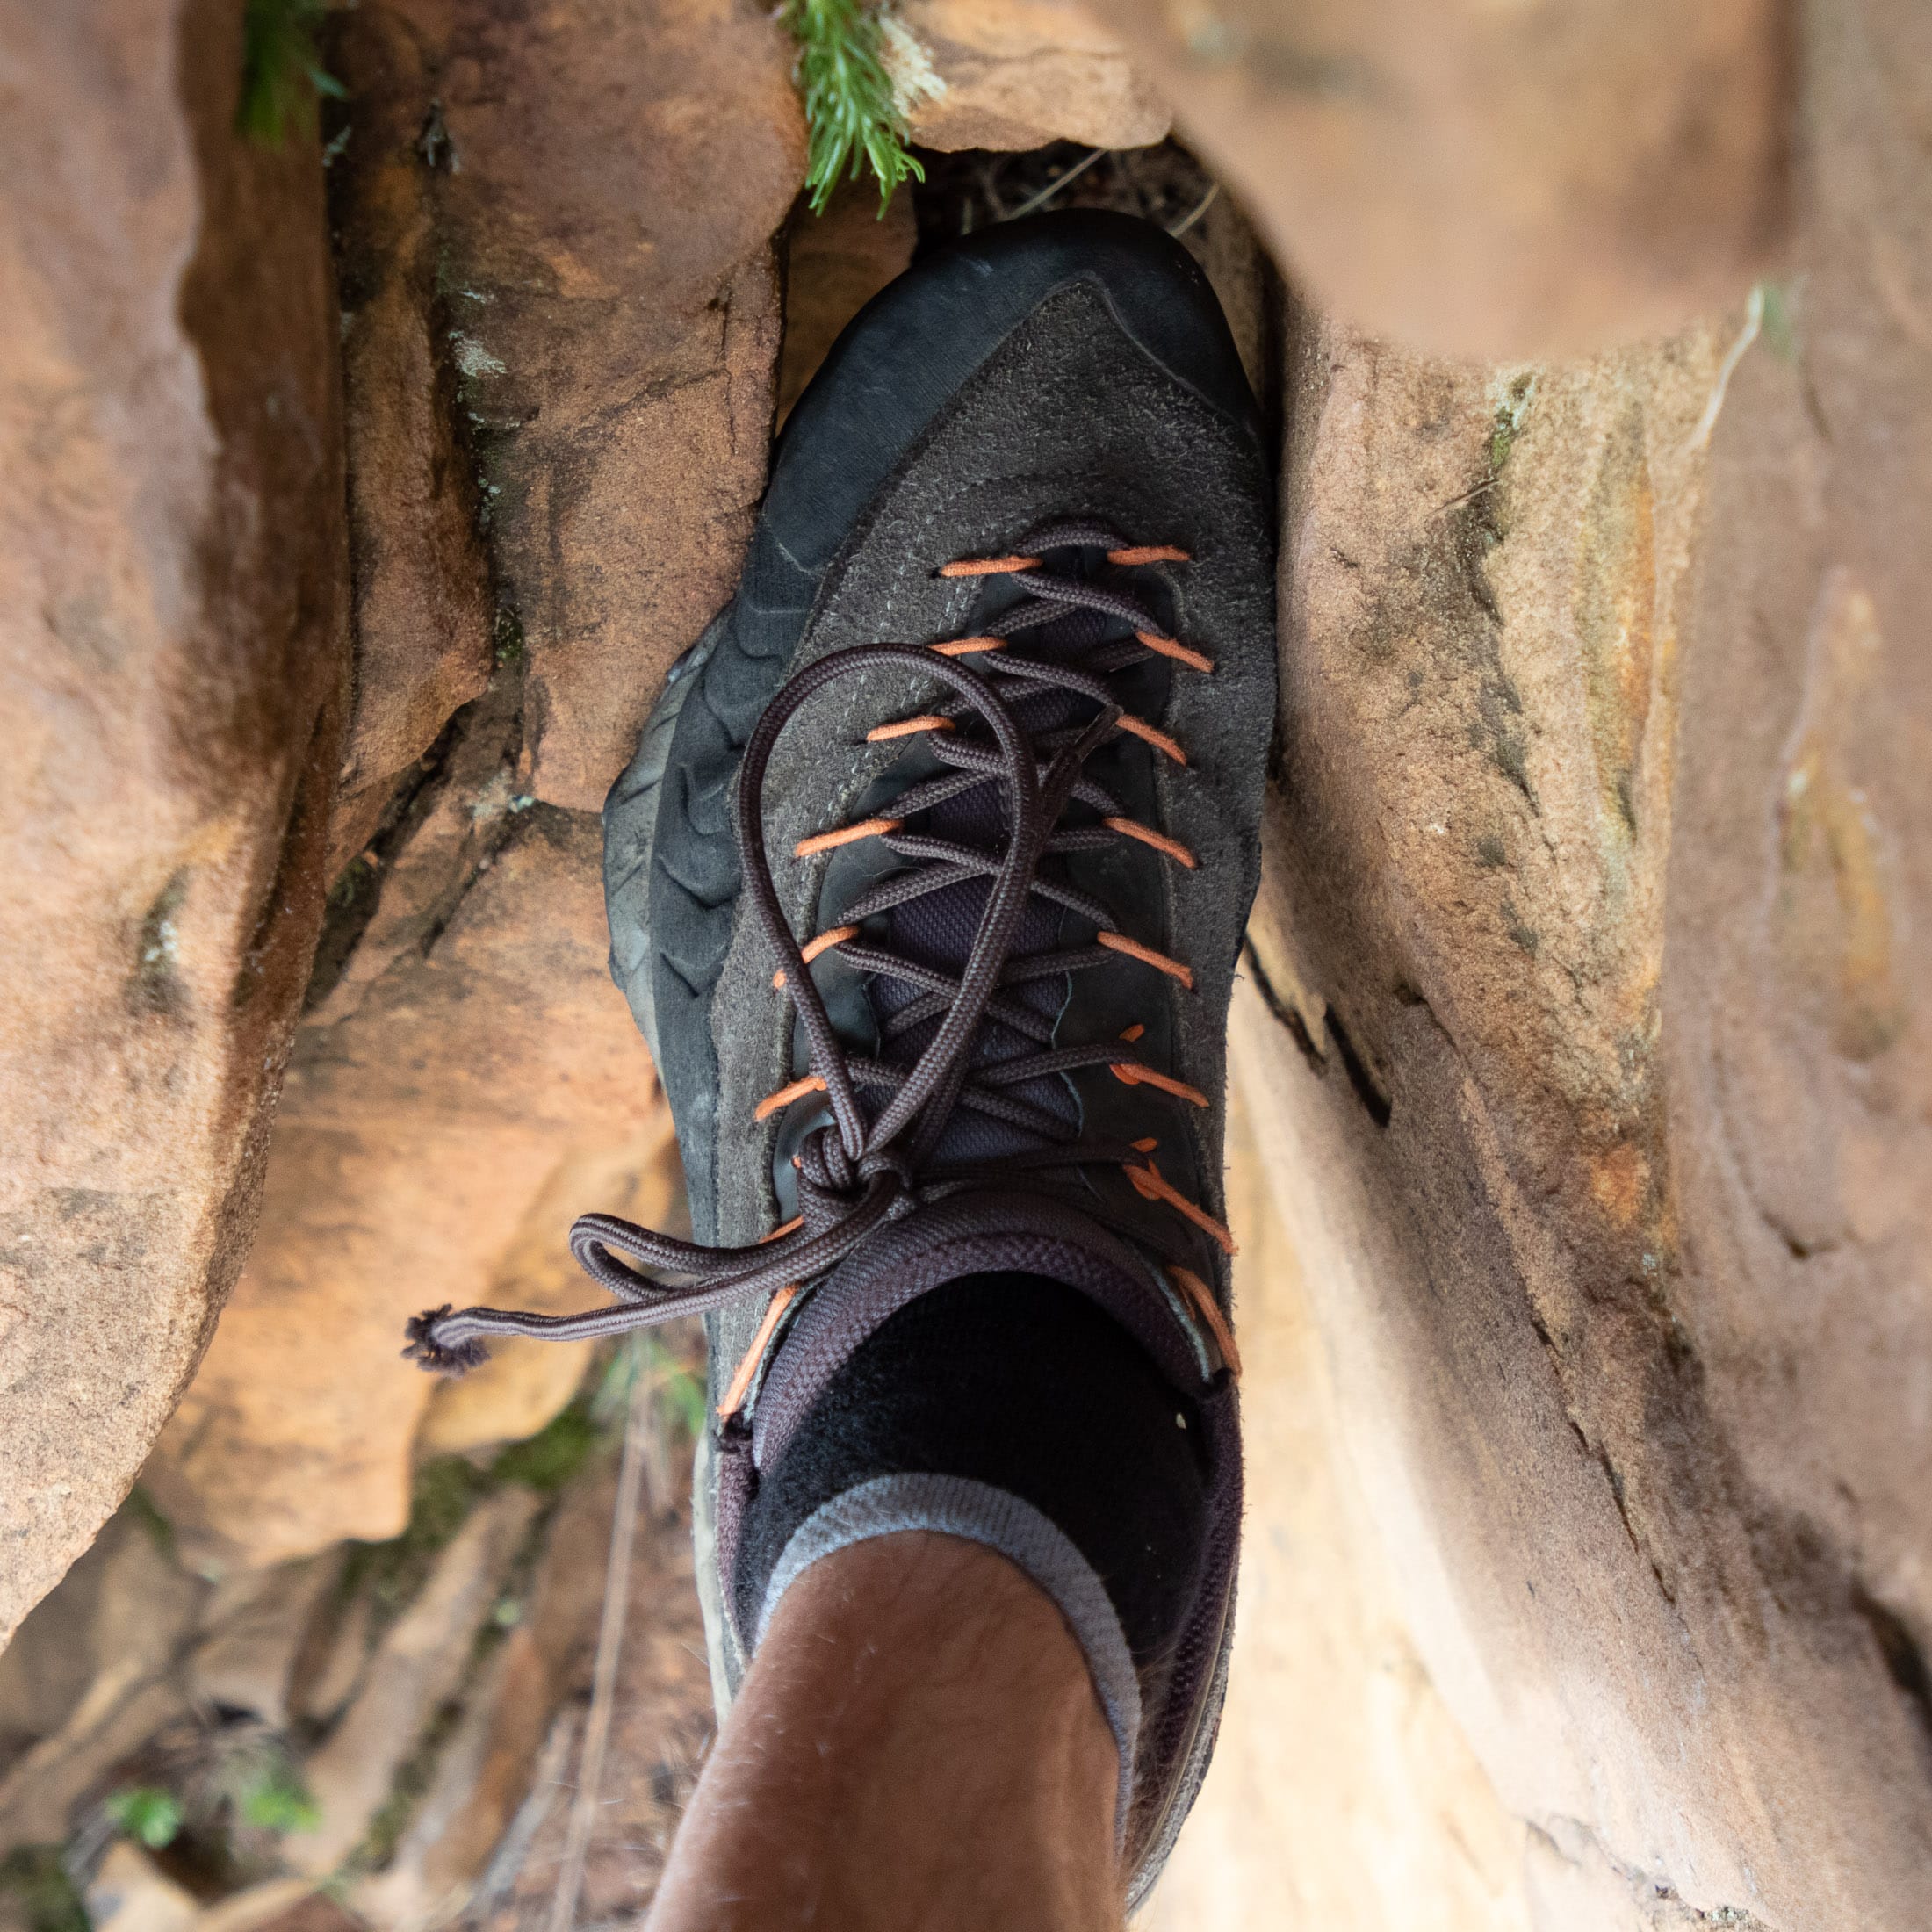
{"x": 856, "y": 1172}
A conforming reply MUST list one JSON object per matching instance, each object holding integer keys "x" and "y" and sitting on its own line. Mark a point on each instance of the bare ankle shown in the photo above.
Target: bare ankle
{"x": 917, "y": 1744}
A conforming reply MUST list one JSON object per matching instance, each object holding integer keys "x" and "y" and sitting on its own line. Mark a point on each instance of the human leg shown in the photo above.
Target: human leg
{"x": 917, "y": 1744}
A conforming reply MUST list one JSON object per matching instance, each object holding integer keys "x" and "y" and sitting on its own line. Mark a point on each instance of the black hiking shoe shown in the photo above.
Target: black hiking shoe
{"x": 927, "y": 886}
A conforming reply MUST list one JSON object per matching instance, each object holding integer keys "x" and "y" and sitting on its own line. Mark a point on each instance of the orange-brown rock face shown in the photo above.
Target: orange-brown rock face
{"x": 1015, "y": 74}
{"x": 172, "y": 648}
{"x": 560, "y": 328}
{"x": 605, "y": 182}
{"x": 423, "y": 612}
{"x": 1495, "y": 180}
{"x": 1595, "y": 939}
{"x": 560, "y": 316}
{"x": 467, "y": 1100}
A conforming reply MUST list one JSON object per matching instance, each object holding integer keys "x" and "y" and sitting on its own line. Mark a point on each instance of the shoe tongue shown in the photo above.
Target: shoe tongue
{"x": 937, "y": 929}
{"x": 976, "y": 1233}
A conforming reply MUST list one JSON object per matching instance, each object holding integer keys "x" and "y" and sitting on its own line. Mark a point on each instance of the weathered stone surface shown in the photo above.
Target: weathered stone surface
{"x": 1492, "y": 180}
{"x": 422, "y": 610}
{"x": 314, "y": 1911}
{"x": 601, "y": 185}
{"x": 422, "y": 1659}
{"x": 431, "y": 1111}
{"x": 327, "y": 1671}
{"x": 44, "y": 1672}
{"x": 561, "y": 339}
{"x": 485, "y": 1773}
{"x": 281, "y": 1902}
{"x": 254, "y": 1628}
{"x": 90, "y": 1677}
{"x": 171, "y": 651}
{"x": 1342, "y": 1792}
{"x": 1594, "y": 938}
{"x": 131, "y": 1893}
{"x": 524, "y": 1384}
{"x": 1015, "y": 74}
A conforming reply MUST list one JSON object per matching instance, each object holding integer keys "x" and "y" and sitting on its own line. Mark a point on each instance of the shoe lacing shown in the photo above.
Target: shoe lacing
{"x": 866, "y": 1166}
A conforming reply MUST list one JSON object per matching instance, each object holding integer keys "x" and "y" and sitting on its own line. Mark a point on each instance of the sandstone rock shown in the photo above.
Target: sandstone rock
{"x": 326, "y": 1673}
{"x": 44, "y": 1672}
{"x": 420, "y": 1130}
{"x": 835, "y": 262}
{"x": 601, "y": 186}
{"x": 278, "y": 1902}
{"x": 544, "y": 256}
{"x": 421, "y": 1659}
{"x": 1597, "y": 1045}
{"x": 525, "y": 1384}
{"x": 170, "y": 655}
{"x": 316, "y": 1912}
{"x": 1492, "y": 180}
{"x": 90, "y": 1677}
{"x": 423, "y": 612}
{"x": 131, "y": 1893}
{"x": 1342, "y": 1792}
{"x": 256, "y": 1627}
{"x": 1017, "y": 74}
{"x": 278, "y": 1905}
{"x": 486, "y": 1769}
{"x": 429, "y": 1880}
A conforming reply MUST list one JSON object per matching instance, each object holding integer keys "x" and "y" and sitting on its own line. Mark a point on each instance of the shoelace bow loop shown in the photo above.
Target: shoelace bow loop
{"x": 853, "y": 1174}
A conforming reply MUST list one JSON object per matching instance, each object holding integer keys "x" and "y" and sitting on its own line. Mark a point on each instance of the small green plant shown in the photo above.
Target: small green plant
{"x": 548, "y": 1460}
{"x": 282, "y": 71}
{"x": 146, "y": 1814}
{"x": 393, "y": 1572}
{"x": 141, "y": 1506}
{"x": 851, "y": 120}
{"x": 684, "y": 1396}
{"x": 680, "y": 1392}
{"x": 277, "y": 1800}
{"x": 36, "y": 1888}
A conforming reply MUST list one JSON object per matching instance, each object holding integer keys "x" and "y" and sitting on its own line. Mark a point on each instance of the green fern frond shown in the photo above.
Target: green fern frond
{"x": 282, "y": 73}
{"x": 850, "y": 117}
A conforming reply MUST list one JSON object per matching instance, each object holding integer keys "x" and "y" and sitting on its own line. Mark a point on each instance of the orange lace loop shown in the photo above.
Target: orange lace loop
{"x": 1133, "y": 1033}
{"x": 1151, "y": 1185}
{"x": 987, "y": 567}
{"x": 812, "y": 948}
{"x": 811, "y": 1083}
{"x": 825, "y": 841}
{"x": 907, "y": 726}
{"x": 1119, "y": 942}
{"x": 966, "y": 647}
{"x": 1148, "y": 735}
{"x": 1201, "y": 1297}
{"x": 748, "y": 1367}
{"x": 1132, "y": 828}
{"x": 1172, "y": 647}
{"x": 1130, "y": 1075}
{"x": 1148, "y": 553}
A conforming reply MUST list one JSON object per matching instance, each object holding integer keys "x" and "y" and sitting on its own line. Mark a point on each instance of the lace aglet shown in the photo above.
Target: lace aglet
{"x": 435, "y": 1358}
